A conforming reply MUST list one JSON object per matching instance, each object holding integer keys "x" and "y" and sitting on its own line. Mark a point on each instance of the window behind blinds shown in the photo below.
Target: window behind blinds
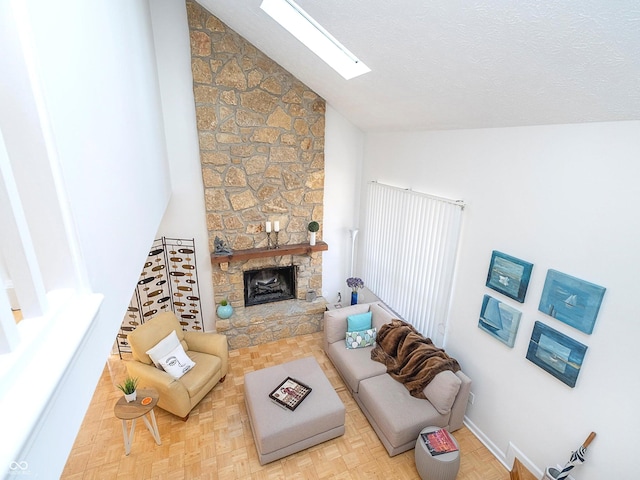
{"x": 410, "y": 243}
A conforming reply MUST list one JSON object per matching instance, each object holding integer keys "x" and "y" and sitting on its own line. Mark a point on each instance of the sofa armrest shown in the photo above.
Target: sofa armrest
{"x": 459, "y": 406}
{"x": 211, "y": 343}
{"x": 335, "y": 322}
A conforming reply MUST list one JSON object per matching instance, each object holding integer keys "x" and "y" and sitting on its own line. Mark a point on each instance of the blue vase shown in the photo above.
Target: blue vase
{"x": 225, "y": 311}
{"x": 354, "y": 298}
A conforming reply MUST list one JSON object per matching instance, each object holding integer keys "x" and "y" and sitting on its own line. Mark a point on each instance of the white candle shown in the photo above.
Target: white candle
{"x": 276, "y": 226}
{"x": 268, "y": 227}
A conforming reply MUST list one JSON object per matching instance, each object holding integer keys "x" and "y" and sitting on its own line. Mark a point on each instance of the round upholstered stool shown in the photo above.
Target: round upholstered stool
{"x": 436, "y": 467}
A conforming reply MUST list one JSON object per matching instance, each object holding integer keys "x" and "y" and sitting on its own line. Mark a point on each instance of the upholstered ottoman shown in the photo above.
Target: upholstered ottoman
{"x": 279, "y": 432}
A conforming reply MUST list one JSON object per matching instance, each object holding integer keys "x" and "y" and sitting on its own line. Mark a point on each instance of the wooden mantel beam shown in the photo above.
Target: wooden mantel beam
{"x": 242, "y": 255}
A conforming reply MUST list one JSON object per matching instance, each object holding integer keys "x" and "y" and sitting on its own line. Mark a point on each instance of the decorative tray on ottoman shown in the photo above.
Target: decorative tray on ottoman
{"x": 290, "y": 393}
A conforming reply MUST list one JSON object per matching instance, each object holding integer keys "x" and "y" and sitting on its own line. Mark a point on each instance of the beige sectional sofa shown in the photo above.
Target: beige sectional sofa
{"x": 395, "y": 415}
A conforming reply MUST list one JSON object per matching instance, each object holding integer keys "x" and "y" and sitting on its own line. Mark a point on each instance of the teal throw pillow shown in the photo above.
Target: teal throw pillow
{"x": 357, "y": 323}
{"x": 365, "y": 338}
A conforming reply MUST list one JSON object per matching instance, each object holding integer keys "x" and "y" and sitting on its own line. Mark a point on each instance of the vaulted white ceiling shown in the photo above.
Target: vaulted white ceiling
{"x": 448, "y": 64}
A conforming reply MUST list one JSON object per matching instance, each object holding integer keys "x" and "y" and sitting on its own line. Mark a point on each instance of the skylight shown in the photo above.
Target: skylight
{"x": 298, "y": 22}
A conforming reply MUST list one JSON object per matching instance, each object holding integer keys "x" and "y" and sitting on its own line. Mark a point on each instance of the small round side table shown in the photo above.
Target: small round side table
{"x": 436, "y": 467}
{"x": 132, "y": 411}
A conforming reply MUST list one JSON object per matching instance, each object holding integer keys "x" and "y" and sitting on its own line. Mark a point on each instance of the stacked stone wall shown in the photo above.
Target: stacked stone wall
{"x": 261, "y": 135}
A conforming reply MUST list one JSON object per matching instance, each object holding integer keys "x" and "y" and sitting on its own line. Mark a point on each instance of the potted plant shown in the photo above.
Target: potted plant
{"x": 224, "y": 309}
{"x": 129, "y": 388}
{"x": 313, "y": 227}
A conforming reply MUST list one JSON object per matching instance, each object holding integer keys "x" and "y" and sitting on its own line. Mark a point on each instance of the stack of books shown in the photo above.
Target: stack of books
{"x": 439, "y": 442}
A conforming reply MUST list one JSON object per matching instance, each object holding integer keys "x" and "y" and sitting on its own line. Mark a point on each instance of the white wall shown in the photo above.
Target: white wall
{"x": 344, "y": 145}
{"x": 185, "y": 216}
{"x": 103, "y": 102}
{"x": 562, "y": 197}
{"x": 96, "y": 90}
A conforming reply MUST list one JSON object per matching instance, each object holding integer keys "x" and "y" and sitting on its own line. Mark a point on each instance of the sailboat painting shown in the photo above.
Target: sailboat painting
{"x": 557, "y": 354}
{"x": 509, "y": 275}
{"x": 499, "y": 320}
{"x": 571, "y": 300}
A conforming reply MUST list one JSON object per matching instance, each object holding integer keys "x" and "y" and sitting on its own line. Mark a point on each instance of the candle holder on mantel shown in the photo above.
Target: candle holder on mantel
{"x": 269, "y": 243}
{"x": 276, "y": 245}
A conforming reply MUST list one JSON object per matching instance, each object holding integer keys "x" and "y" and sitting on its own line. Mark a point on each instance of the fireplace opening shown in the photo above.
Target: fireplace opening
{"x": 266, "y": 285}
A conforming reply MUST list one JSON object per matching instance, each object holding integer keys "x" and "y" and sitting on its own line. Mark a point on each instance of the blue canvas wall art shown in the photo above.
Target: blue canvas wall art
{"x": 509, "y": 275}
{"x": 556, "y": 353}
{"x": 571, "y": 300}
{"x": 499, "y": 320}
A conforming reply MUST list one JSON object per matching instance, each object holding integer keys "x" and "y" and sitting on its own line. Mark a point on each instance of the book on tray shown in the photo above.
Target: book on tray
{"x": 439, "y": 442}
{"x": 290, "y": 393}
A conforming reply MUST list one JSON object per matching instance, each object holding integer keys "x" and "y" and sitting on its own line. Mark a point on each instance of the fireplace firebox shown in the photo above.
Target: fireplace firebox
{"x": 272, "y": 284}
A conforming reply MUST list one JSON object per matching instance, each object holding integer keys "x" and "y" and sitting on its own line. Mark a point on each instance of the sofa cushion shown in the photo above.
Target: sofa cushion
{"x": 359, "y": 322}
{"x": 400, "y": 416}
{"x": 354, "y": 365}
{"x": 380, "y": 316}
{"x": 363, "y": 338}
{"x": 335, "y": 322}
{"x": 200, "y": 376}
{"x": 442, "y": 391}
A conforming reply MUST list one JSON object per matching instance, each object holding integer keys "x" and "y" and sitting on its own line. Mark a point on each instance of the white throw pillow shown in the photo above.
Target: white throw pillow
{"x": 163, "y": 347}
{"x": 442, "y": 391}
{"x": 176, "y": 363}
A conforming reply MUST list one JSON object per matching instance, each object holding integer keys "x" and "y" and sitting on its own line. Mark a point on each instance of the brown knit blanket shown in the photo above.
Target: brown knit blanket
{"x": 410, "y": 358}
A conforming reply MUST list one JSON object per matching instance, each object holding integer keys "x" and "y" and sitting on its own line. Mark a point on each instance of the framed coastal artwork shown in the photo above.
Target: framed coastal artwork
{"x": 556, "y": 353}
{"x": 499, "y": 320}
{"x": 509, "y": 275}
{"x": 571, "y": 300}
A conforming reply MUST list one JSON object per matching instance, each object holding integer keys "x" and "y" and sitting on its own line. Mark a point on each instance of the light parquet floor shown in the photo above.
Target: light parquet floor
{"x": 216, "y": 441}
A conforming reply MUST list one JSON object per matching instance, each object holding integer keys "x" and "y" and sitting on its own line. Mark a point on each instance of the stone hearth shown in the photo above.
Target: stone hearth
{"x": 270, "y": 321}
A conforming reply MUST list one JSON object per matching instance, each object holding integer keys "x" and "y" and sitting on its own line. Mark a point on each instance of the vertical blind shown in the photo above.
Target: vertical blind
{"x": 409, "y": 250}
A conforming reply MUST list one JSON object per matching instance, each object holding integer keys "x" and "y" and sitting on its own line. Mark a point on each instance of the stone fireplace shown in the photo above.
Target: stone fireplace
{"x": 269, "y": 320}
{"x": 261, "y": 135}
{"x": 271, "y": 284}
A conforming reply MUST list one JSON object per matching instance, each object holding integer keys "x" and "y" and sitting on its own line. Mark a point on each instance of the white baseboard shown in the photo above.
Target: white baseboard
{"x": 499, "y": 454}
{"x": 514, "y": 452}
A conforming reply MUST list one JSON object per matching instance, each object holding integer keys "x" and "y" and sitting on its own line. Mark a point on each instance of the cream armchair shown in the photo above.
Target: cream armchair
{"x": 209, "y": 351}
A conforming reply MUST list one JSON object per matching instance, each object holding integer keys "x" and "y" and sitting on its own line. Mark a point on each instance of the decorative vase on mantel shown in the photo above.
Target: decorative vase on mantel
{"x": 224, "y": 309}
{"x": 313, "y": 227}
{"x": 354, "y": 297}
